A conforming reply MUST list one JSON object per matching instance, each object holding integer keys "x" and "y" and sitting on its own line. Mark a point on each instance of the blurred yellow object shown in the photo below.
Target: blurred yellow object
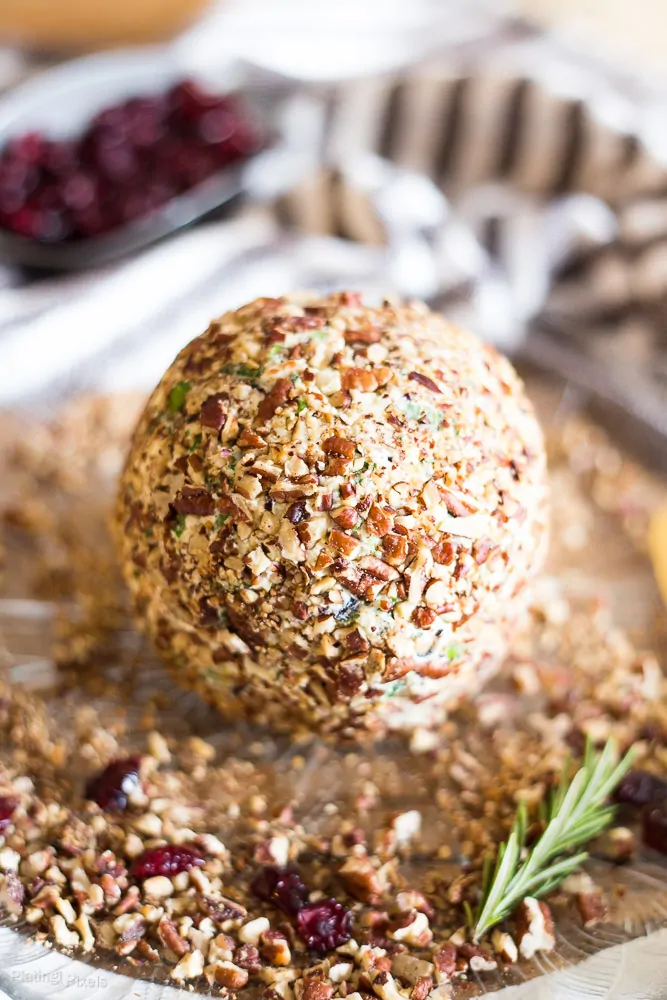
{"x": 630, "y": 30}
{"x": 88, "y": 24}
{"x": 657, "y": 545}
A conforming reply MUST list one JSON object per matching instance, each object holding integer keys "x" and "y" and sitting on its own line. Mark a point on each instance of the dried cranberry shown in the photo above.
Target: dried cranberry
{"x": 78, "y": 191}
{"x": 28, "y": 148}
{"x": 168, "y": 860}
{"x": 325, "y": 925}
{"x": 641, "y": 788}
{"x": 113, "y": 786}
{"x": 217, "y": 125}
{"x": 654, "y": 828}
{"x": 8, "y": 806}
{"x": 189, "y": 101}
{"x": 282, "y": 887}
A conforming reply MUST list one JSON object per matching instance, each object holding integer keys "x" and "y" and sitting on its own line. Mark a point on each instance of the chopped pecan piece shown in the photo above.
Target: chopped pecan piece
{"x": 350, "y": 677}
{"x": 300, "y": 610}
{"x": 194, "y": 500}
{"x": 212, "y": 413}
{"x": 456, "y": 505}
{"x": 297, "y": 323}
{"x": 362, "y": 379}
{"x": 167, "y": 931}
{"x": 276, "y": 398}
{"x": 337, "y": 466}
{"x": 297, "y": 512}
{"x": 338, "y": 446}
{"x": 443, "y": 553}
{"x": 345, "y": 517}
{"x": 248, "y": 439}
{"x": 341, "y": 542}
{"x": 360, "y": 879}
{"x": 413, "y": 899}
{"x": 367, "y": 334}
{"x": 230, "y": 975}
{"x": 424, "y": 380}
{"x": 316, "y": 989}
{"x": 481, "y": 550}
{"x": 287, "y": 496}
{"x": 475, "y": 958}
{"x": 445, "y": 962}
{"x": 376, "y": 567}
{"x": 422, "y": 988}
{"x": 247, "y": 957}
{"x": 275, "y": 948}
{"x": 535, "y": 927}
{"x": 220, "y": 909}
{"x": 379, "y": 521}
{"x": 395, "y": 548}
{"x": 592, "y": 907}
{"x": 12, "y": 893}
{"x": 356, "y": 643}
{"x": 147, "y": 952}
{"x": 341, "y": 400}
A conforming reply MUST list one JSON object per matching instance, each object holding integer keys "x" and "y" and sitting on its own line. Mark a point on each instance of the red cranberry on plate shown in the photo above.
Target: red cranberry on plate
{"x": 171, "y": 859}
{"x": 654, "y": 828}
{"x": 113, "y": 786}
{"x": 282, "y": 887}
{"x": 8, "y": 806}
{"x": 325, "y": 925}
{"x": 640, "y": 788}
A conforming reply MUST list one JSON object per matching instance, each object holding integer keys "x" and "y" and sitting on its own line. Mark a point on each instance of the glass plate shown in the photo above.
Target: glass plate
{"x": 592, "y": 486}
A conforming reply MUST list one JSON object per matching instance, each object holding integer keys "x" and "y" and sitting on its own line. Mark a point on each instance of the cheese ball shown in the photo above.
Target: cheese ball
{"x": 330, "y": 512}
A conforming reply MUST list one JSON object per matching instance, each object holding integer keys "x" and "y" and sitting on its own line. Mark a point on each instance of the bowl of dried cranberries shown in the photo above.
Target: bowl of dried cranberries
{"x": 121, "y": 170}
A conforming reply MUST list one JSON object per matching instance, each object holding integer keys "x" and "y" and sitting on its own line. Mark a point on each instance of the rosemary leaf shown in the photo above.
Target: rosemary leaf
{"x": 577, "y": 813}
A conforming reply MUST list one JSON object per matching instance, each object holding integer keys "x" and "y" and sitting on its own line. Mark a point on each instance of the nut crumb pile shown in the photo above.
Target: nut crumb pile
{"x": 330, "y": 513}
{"x": 138, "y": 831}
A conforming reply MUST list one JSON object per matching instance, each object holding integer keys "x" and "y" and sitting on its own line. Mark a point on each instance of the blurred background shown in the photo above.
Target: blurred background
{"x": 162, "y": 160}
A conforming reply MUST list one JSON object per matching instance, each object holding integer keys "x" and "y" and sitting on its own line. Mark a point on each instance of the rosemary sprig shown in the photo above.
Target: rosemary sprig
{"x": 578, "y": 812}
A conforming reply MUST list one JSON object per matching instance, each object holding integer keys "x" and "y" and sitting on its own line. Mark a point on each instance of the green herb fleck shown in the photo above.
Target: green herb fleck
{"x": 220, "y": 520}
{"x": 320, "y": 334}
{"x": 301, "y": 406}
{"x": 250, "y": 372}
{"x": 177, "y": 396}
{"x": 415, "y": 410}
{"x": 196, "y": 442}
{"x": 179, "y": 527}
{"x": 276, "y": 350}
{"x": 395, "y": 688}
{"x": 454, "y": 651}
{"x": 148, "y": 532}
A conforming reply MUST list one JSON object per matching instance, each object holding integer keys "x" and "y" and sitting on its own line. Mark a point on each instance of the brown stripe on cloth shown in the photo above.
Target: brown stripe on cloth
{"x": 388, "y": 142}
{"x": 573, "y": 148}
{"x": 453, "y": 114}
{"x": 515, "y": 132}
